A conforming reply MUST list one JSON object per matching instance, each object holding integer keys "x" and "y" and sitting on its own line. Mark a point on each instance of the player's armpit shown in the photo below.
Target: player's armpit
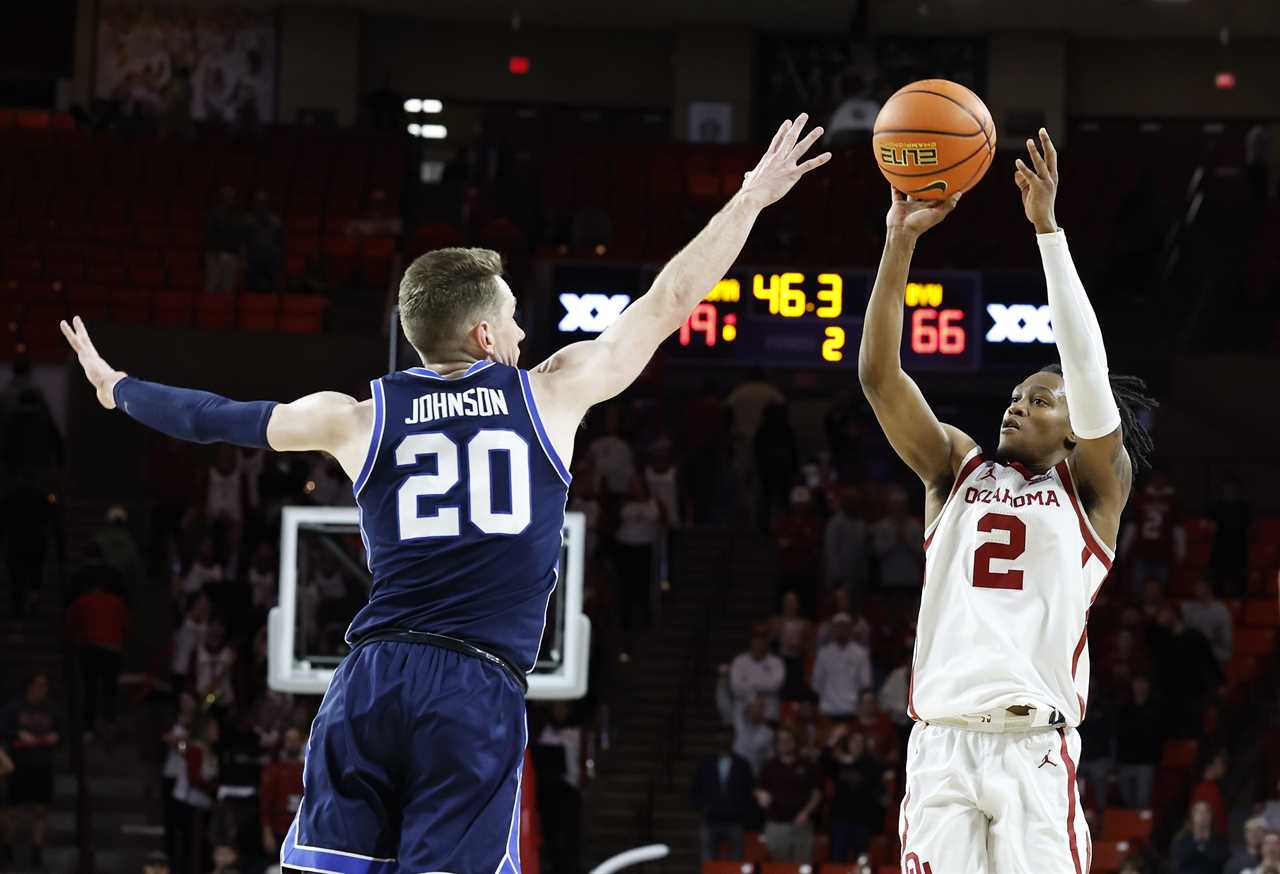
{"x": 326, "y": 421}
{"x": 1104, "y": 477}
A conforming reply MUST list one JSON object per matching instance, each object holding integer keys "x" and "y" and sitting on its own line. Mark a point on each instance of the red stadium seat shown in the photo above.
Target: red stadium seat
{"x": 723, "y": 867}
{"x": 66, "y": 269}
{"x": 215, "y": 312}
{"x": 1199, "y": 529}
{"x": 130, "y": 306}
{"x": 305, "y": 225}
{"x": 1126, "y": 824}
{"x": 90, "y": 302}
{"x": 341, "y": 256}
{"x": 1180, "y": 753}
{"x": 145, "y": 276}
{"x": 32, "y": 119}
{"x": 1242, "y": 669}
{"x": 258, "y": 312}
{"x": 753, "y": 848}
{"x": 1259, "y": 642}
{"x": 8, "y": 119}
{"x": 23, "y": 267}
{"x": 173, "y": 309}
{"x": 306, "y": 246}
{"x": 105, "y": 274}
{"x": 116, "y": 233}
{"x": 376, "y": 254}
{"x": 1264, "y": 554}
{"x": 190, "y": 238}
{"x": 1267, "y": 529}
{"x": 1262, "y": 613}
{"x": 303, "y": 313}
{"x": 186, "y": 216}
{"x": 785, "y": 868}
{"x": 158, "y": 236}
{"x": 1109, "y": 856}
{"x": 845, "y": 868}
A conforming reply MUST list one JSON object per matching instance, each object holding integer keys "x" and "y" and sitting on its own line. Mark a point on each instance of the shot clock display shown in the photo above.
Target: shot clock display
{"x": 778, "y": 317}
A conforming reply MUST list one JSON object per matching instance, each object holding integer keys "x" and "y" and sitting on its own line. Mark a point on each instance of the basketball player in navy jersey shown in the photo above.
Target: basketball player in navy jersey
{"x": 460, "y": 471}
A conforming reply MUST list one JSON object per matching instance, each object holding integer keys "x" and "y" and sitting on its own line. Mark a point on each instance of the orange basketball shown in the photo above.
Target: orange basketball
{"x": 934, "y": 138}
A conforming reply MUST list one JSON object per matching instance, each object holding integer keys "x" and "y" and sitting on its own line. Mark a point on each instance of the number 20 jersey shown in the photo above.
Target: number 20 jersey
{"x": 461, "y": 502}
{"x": 1012, "y": 566}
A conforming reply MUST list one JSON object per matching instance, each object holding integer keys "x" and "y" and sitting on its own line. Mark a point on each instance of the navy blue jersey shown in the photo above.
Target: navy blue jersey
{"x": 461, "y": 503}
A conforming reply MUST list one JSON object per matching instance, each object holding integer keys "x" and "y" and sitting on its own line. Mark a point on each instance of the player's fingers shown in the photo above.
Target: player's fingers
{"x": 69, "y": 334}
{"x": 805, "y": 144}
{"x": 789, "y": 141}
{"x": 1026, "y": 171}
{"x": 814, "y": 162}
{"x": 777, "y": 137}
{"x": 896, "y": 196}
{"x": 1050, "y": 151}
{"x": 1036, "y": 160}
{"x": 82, "y": 334}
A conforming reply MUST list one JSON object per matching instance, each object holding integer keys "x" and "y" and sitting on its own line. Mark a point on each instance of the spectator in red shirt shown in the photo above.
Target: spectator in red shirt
{"x": 1153, "y": 541}
{"x": 96, "y": 625}
{"x": 1209, "y": 790}
{"x": 281, "y": 791}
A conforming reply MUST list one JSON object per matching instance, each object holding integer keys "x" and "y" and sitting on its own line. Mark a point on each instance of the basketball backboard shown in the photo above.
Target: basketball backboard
{"x": 324, "y": 579}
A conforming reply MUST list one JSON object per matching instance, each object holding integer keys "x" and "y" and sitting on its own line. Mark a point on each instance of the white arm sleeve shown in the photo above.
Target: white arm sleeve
{"x": 1075, "y": 329}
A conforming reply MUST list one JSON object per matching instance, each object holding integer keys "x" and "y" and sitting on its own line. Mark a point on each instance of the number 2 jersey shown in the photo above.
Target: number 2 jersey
{"x": 461, "y": 502}
{"x": 1012, "y": 566}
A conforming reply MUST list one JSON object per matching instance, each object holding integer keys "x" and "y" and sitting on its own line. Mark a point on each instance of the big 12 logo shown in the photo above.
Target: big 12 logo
{"x": 914, "y": 866}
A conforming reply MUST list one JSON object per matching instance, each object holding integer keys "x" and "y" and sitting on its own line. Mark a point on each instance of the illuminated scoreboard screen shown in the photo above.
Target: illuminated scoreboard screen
{"x": 775, "y": 317}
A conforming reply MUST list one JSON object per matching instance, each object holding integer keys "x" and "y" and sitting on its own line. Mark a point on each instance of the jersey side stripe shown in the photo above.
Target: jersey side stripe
{"x": 1091, "y": 539}
{"x": 547, "y": 448}
{"x": 375, "y": 434}
{"x": 967, "y": 467}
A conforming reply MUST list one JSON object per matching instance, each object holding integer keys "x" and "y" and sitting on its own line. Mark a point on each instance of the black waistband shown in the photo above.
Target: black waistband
{"x": 404, "y": 635}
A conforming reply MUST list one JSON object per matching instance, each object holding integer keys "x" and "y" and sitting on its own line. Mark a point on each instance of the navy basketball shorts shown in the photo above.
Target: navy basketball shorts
{"x": 413, "y": 765}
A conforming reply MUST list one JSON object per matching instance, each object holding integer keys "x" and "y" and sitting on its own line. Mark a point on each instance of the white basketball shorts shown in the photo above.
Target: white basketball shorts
{"x": 986, "y": 803}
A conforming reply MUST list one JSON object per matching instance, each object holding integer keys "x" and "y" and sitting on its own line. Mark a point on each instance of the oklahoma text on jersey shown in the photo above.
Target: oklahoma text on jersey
{"x": 1012, "y": 566}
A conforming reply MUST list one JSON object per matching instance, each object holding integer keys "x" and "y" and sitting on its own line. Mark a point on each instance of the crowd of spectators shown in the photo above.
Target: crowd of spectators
{"x": 815, "y": 708}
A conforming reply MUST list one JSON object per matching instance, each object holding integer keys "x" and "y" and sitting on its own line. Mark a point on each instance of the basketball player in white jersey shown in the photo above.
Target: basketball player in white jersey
{"x": 1018, "y": 540}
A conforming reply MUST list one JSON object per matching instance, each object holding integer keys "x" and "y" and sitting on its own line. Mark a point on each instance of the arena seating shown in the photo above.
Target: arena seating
{"x": 114, "y": 230}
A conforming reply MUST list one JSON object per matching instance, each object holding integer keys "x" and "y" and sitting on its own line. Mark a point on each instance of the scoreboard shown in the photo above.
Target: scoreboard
{"x": 784, "y": 317}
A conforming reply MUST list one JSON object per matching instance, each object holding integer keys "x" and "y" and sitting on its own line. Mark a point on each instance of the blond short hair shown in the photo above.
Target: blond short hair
{"x": 445, "y": 292}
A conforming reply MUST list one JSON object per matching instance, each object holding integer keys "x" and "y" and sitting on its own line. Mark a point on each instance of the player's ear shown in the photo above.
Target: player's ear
{"x": 483, "y": 336}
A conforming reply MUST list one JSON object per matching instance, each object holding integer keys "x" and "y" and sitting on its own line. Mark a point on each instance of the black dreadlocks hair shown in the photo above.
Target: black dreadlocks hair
{"x": 1131, "y": 398}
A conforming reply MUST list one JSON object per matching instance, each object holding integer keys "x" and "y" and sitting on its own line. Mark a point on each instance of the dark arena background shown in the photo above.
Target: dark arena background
{"x": 228, "y": 195}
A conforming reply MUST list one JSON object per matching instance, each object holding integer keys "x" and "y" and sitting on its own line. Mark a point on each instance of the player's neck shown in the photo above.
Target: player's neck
{"x": 1036, "y": 466}
{"x": 450, "y": 364}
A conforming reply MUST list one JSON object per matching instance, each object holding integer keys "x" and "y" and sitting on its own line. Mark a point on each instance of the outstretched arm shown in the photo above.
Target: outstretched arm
{"x": 583, "y": 374}
{"x": 1099, "y": 461}
{"x": 326, "y": 421}
{"x": 931, "y": 449}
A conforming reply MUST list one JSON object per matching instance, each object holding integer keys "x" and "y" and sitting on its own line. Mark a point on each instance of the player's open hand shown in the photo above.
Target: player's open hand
{"x": 780, "y": 168}
{"x": 98, "y": 372}
{"x": 913, "y": 217}
{"x": 1039, "y": 183}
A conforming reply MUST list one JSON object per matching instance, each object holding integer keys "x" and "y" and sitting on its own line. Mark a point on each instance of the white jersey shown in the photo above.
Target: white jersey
{"x": 1012, "y": 566}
